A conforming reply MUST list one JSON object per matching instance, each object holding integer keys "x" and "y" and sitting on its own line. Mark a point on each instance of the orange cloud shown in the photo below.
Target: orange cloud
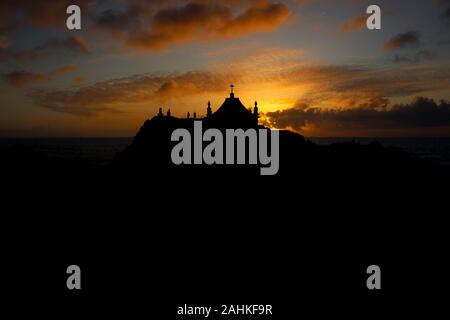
{"x": 306, "y": 2}
{"x": 63, "y": 70}
{"x": 206, "y": 21}
{"x": 282, "y": 81}
{"x": 75, "y": 44}
{"x": 113, "y": 95}
{"x": 21, "y": 79}
{"x": 146, "y": 25}
{"x": 79, "y": 80}
{"x": 264, "y": 17}
{"x": 355, "y": 24}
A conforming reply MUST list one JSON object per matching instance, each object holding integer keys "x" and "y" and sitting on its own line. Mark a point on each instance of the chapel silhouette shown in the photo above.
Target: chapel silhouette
{"x": 232, "y": 114}
{"x": 152, "y": 145}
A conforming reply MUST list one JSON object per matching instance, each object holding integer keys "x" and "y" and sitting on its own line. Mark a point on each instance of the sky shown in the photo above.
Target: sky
{"x": 312, "y": 65}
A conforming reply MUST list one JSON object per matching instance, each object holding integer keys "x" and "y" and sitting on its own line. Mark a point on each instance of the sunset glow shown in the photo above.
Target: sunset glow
{"x": 132, "y": 58}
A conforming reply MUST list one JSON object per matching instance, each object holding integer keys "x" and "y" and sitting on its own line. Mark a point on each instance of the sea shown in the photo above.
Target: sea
{"x": 102, "y": 150}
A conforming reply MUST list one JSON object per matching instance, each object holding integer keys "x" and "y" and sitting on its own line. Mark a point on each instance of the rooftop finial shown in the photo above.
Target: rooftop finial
{"x": 232, "y": 91}
{"x": 208, "y": 110}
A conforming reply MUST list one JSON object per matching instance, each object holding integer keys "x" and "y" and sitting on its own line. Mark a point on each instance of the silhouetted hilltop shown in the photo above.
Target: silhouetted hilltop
{"x": 152, "y": 145}
{"x": 149, "y": 153}
{"x": 151, "y": 148}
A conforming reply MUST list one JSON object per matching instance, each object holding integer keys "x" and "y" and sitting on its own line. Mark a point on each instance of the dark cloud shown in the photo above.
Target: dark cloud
{"x": 116, "y": 21}
{"x": 75, "y": 44}
{"x": 420, "y": 113}
{"x": 16, "y": 14}
{"x": 446, "y": 14}
{"x": 21, "y": 79}
{"x": 402, "y": 40}
{"x": 418, "y": 57}
{"x": 136, "y": 15}
{"x": 383, "y": 83}
{"x": 4, "y": 42}
{"x": 8, "y": 19}
{"x": 19, "y": 13}
{"x": 149, "y": 27}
